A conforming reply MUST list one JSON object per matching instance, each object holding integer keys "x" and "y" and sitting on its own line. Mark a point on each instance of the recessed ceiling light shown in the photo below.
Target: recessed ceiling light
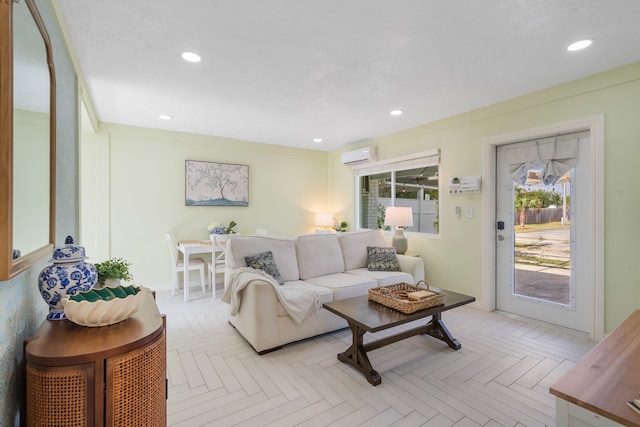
{"x": 165, "y": 117}
{"x": 317, "y": 139}
{"x": 396, "y": 112}
{"x": 191, "y": 57}
{"x": 580, "y": 45}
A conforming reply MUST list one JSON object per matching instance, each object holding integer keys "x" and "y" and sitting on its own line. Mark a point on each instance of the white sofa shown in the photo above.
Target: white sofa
{"x": 333, "y": 266}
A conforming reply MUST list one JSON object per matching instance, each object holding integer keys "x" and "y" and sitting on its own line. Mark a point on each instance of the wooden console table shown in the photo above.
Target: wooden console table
{"x": 595, "y": 391}
{"x": 112, "y": 375}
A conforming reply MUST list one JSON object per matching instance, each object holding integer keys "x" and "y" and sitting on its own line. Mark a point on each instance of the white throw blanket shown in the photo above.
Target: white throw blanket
{"x": 298, "y": 303}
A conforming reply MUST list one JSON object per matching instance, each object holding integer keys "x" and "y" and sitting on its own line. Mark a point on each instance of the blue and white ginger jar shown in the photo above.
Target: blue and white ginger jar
{"x": 68, "y": 275}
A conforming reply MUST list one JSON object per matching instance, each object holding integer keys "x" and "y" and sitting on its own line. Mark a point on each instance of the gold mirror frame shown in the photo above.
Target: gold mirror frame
{"x": 8, "y": 266}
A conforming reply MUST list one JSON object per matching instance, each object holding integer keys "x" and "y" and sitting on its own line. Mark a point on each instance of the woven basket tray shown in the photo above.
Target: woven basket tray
{"x": 395, "y": 296}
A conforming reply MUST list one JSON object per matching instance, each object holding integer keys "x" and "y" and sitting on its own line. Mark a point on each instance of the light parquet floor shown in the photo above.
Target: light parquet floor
{"x": 500, "y": 376}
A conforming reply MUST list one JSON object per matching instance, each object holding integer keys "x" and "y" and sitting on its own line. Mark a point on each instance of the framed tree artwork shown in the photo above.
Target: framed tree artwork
{"x": 216, "y": 184}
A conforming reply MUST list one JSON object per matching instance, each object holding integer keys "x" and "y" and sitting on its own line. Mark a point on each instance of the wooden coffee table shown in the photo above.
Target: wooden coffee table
{"x": 365, "y": 316}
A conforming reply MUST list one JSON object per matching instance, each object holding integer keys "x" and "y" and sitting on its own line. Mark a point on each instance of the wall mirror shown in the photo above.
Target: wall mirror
{"x": 27, "y": 138}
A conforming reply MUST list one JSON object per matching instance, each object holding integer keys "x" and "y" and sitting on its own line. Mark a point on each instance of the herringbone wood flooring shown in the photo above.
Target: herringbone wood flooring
{"x": 500, "y": 376}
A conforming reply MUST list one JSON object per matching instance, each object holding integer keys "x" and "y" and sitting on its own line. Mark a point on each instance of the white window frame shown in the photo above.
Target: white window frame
{"x": 411, "y": 161}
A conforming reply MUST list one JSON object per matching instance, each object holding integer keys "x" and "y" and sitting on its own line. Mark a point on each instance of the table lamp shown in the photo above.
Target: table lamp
{"x": 324, "y": 220}
{"x": 400, "y": 217}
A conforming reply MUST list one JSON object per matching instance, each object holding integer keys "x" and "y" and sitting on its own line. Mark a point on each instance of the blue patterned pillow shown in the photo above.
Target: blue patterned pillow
{"x": 382, "y": 259}
{"x": 264, "y": 261}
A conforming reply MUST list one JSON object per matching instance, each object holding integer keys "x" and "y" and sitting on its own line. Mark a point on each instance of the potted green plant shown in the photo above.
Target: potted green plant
{"x": 340, "y": 226}
{"x": 229, "y": 228}
{"x": 113, "y": 271}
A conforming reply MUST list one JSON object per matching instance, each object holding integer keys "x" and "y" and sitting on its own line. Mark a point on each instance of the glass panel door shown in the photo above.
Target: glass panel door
{"x": 539, "y": 226}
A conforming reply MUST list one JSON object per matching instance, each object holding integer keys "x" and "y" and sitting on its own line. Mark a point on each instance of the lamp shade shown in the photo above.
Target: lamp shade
{"x": 399, "y": 216}
{"x": 323, "y": 219}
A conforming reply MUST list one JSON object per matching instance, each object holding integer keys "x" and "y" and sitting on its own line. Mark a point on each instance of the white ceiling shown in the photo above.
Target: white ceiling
{"x": 287, "y": 71}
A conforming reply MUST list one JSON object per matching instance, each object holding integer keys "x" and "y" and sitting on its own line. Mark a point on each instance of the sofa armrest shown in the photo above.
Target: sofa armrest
{"x": 412, "y": 265}
{"x": 257, "y": 319}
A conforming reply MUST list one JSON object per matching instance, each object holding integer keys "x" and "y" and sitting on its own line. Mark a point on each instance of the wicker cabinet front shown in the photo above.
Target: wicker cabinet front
{"x": 137, "y": 387}
{"x": 60, "y": 397}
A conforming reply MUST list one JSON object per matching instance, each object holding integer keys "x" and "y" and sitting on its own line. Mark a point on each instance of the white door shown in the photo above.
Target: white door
{"x": 544, "y": 254}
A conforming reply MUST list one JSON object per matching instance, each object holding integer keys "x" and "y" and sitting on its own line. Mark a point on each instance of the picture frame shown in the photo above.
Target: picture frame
{"x": 216, "y": 184}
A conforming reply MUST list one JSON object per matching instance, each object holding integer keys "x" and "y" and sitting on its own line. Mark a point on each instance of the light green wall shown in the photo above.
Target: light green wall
{"x": 133, "y": 192}
{"x": 94, "y": 194}
{"x": 454, "y": 260}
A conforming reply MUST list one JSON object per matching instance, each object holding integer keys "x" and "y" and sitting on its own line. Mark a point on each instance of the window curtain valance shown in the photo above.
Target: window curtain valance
{"x": 551, "y": 158}
{"x": 422, "y": 159}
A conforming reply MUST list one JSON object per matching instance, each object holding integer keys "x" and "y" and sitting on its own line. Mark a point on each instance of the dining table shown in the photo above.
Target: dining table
{"x": 190, "y": 247}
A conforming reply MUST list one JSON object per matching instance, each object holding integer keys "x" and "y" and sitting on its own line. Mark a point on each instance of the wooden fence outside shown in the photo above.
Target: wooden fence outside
{"x": 541, "y": 215}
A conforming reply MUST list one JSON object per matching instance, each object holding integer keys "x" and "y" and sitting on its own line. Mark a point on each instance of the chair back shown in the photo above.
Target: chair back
{"x": 218, "y": 245}
{"x": 172, "y": 249}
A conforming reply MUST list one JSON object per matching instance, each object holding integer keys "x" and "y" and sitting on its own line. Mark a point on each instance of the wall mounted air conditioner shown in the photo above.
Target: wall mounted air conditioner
{"x": 361, "y": 155}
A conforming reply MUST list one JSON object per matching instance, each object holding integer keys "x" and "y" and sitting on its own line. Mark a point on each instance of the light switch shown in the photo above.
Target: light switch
{"x": 469, "y": 212}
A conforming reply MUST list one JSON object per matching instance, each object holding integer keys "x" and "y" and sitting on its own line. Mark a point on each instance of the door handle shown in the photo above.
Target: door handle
{"x": 500, "y": 237}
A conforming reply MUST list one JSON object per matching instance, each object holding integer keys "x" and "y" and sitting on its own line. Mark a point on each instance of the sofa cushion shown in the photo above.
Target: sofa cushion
{"x": 384, "y": 278}
{"x": 354, "y": 246}
{"x": 283, "y": 250}
{"x": 382, "y": 259}
{"x": 318, "y": 255}
{"x": 324, "y": 293}
{"x": 344, "y": 285}
{"x": 264, "y": 261}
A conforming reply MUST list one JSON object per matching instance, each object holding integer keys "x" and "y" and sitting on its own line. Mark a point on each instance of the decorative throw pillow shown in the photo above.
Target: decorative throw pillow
{"x": 264, "y": 261}
{"x": 382, "y": 259}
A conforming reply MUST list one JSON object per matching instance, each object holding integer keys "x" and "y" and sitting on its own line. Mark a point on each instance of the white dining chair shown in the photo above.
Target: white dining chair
{"x": 216, "y": 265}
{"x": 177, "y": 266}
